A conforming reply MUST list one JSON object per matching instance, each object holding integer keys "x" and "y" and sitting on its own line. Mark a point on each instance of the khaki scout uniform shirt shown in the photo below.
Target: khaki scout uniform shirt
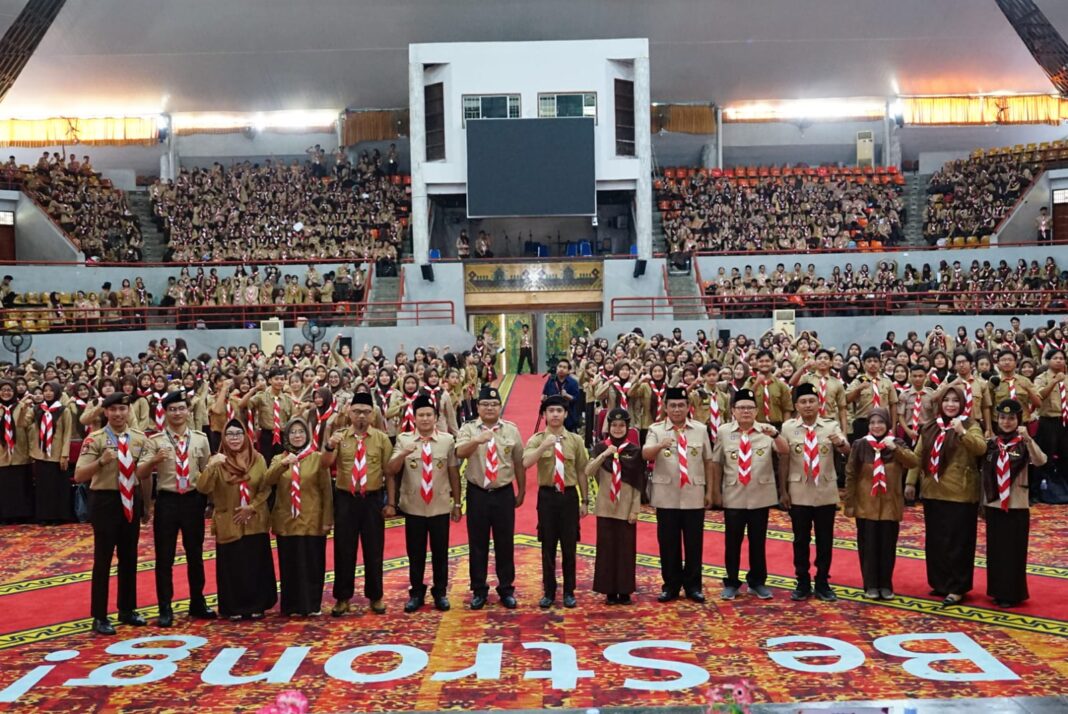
{"x": 629, "y": 503}
{"x": 263, "y": 407}
{"x": 835, "y": 399}
{"x": 226, "y": 498}
{"x": 444, "y": 456}
{"x": 864, "y": 403}
{"x": 1051, "y": 405}
{"x": 377, "y": 451}
{"x": 107, "y": 476}
{"x": 959, "y": 480}
{"x": 665, "y": 489}
{"x": 701, "y": 403}
{"x": 199, "y": 453}
{"x": 509, "y": 445}
{"x": 575, "y": 458}
{"x": 889, "y": 506}
{"x": 781, "y": 402}
{"x": 1024, "y": 389}
{"x": 62, "y": 430}
{"x": 803, "y": 490}
{"x": 316, "y": 497}
{"x": 907, "y": 400}
{"x": 1019, "y": 492}
{"x": 761, "y": 491}
{"x": 21, "y": 453}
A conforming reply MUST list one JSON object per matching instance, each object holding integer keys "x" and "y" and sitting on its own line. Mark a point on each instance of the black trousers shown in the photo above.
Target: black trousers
{"x": 267, "y": 446}
{"x": 877, "y": 549}
{"x": 803, "y": 519}
{"x": 179, "y": 513}
{"x": 358, "y": 521}
{"x": 1007, "y": 534}
{"x": 417, "y": 529}
{"x": 949, "y": 545}
{"x": 558, "y": 524}
{"x": 739, "y": 522}
{"x": 491, "y": 513}
{"x": 679, "y": 531}
{"x": 1052, "y": 438}
{"x": 112, "y": 534}
{"x": 526, "y": 354}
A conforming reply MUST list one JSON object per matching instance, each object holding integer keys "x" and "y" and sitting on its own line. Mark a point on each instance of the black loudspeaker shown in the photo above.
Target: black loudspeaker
{"x": 639, "y": 268}
{"x": 428, "y": 272}
{"x": 725, "y": 335}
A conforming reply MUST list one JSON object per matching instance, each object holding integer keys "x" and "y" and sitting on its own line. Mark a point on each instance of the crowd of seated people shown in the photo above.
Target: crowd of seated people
{"x": 191, "y": 296}
{"x": 92, "y": 212}
{"x": 780, "y": 210}
{"x": 967, "y": 199}
{"x": 948, "y": 288}
{"x": 274, "y": 211}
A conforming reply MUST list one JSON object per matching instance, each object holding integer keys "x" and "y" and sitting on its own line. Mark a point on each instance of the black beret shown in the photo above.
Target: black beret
{"x": 554, "y": 401}
{"x": 116, "y": 398}
{"x": 805, "y": 389}
{"x": 422, "y": 402}
{"x": 174, "y": 397}
{"x": 1010, "y": 406}
{"x": 617, "y": 414}
{"x": 362, "y": 398}
{"x": 488, "y": 393}
{"x": 674, "y": 393}
{"x": 743, "y": 395}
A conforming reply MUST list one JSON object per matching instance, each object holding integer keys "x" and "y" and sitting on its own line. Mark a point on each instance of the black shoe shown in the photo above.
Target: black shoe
{"x": 611, "y": 599}
{"x": 202, "y": 613}
{"x": 800, "y": 594}
{"x": 478, "y": 602}
{"x": 132, "y": 618}
{"x": 695, "y": 595}
{"x": 624, "y": 600}
{"x": 166, "y": 619}
{"x": 569, "y": 600}
{"x": 546, "y": 602}
{"x": 442, "y": 603}
{"x": 824, "y": 592}
{"x": 666, "y": 596}
{"x": 509, "y": 602}
{"x": 413, "y": 604}
{"x": 103, "y": 626}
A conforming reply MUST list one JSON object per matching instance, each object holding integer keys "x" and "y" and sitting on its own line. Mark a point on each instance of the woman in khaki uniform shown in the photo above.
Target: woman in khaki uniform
{"x": 51, "y": 427}
{"x": 244, "y": 568}
{"x": 948, "y": 448}
{"x": 619, "y": 468}
{"x": 16, "y": 477}
{"x": 878, "y": 510}
{"x": 302, "y": 516}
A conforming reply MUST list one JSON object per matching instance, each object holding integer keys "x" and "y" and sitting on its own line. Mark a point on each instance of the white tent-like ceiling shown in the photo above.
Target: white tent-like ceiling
{"x": 113, "y": 57}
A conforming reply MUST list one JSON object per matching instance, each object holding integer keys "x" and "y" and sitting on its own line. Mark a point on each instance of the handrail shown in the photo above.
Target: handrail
{"x": 367, "y": 314}
{"x": 843, "y": 304}
{"x": 664, "y": 276}
{"x": 400, "y": 283}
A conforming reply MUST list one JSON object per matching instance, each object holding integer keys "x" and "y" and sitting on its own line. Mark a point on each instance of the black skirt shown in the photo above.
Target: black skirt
{"x": 1006, "y": 553}
{"x": 17, "y": 503}
{"x": 617, "y": 546}
{"x": 950, "y": 545}
{"x": 302, "y": 565}
{"x": 244, "y": 572}
{"x": 52, "y": 492}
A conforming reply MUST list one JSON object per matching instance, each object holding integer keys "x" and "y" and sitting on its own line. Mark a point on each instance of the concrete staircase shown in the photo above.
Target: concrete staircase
{"x": 915, "y": 201}
{"x": 155, "y": 244}
{"x": 383, "y": 290}
{"x": 684, "y": 285}
{"x": 659, "y": 240}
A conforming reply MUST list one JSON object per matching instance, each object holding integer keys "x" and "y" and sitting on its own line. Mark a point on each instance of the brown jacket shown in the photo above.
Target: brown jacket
{"x": 227, "y": 498}
{"x": 858, "y": 500}
{"x": 316, "y": 497}
{"x": 959, "y": 481}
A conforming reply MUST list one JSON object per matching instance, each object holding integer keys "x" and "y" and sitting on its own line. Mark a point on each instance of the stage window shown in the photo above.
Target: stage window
{"x": 491, "y": 106}
{"x": 624, "y": 117}
{"x": 580, "y": 104}
{"x": 434, "y": 102}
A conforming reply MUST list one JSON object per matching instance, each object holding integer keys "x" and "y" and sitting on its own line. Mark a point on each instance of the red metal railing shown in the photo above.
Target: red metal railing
{"x": 366, "y": 314}
{"x": 841, "y": 304}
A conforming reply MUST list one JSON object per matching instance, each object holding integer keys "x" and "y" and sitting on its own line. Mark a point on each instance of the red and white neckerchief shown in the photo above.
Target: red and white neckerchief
{"x": 812, "y": 455}
{"x": 408, "y": 420}
{"x": 294, "y": 480}
{"x": 250, "y": 424}
{"x": 426, "y": 487}
{"x": 878, "y": 472}
{"x": 969, "y": 399}
{"x": 160, "y": 411}
{"x": 181, "y": 460}
{"x": 276, "y": 434}
{"x": 321, "y": 420}
{"x": 1012, "y": 387}
{"x": 229, "y": 411}
{"x": 933, "y": 376}
{"x": 80, "y": 403}
{"x": 1064, "y": 403}
{"x": 917, "y": 410}
{"x": 558, "y": 465}
{"x": 617, "y": 478}
{"x": 435, "y": 394}
{"x": 745, "y": 459}
{"x": 936, "y": 448}
{"x": 876, "y": 398}
{"x": 383, "y": 399}
{"x": 243, "y": 494}
{"x": 1003, "y": 471}
{"x": 127, "y": 476}
{"x": 9, "y": 426}
{"x": 491, "y": 467}
{"x": 47, "y": 429}
{"x": 766, "y": 384}
{"x": 684, "y": 465}
{"x": 658, "y": 392}
{"x": 714, "y": 417}
{"x": 822, "y": 393}
{"x": 359, "y": 467}
{"x": 623, "y": 390}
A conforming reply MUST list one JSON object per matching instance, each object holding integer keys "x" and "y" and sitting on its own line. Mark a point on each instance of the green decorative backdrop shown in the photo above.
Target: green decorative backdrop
{"x": 560, "y": 327}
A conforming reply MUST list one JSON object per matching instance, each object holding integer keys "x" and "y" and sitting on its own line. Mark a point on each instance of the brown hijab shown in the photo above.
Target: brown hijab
{"x": 238, "y": 461}
{"x": 929, "y": 432}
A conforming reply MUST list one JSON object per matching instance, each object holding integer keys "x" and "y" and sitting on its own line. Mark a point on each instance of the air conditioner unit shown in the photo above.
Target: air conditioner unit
{"x": 784, "y": 321}
{"x": 271, "y": 335}
{"x": 865, "y": 148}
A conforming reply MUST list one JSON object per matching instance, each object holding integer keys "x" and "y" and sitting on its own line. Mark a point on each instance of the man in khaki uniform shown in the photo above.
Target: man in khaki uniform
{"x": 265, "y": 400}
{"x": 868, "y": 391}
{"x": 108, "y": 460}
{"x": 915, "y": 406}
{"x": 681, "y": 452}
{"x": 177, "y": 454}
{"x": 743, "y": 483}
{"x": 774, "y": 404}
{"x": 708, "y": 403}
{"x": 430, "y": 489}
{"x": 493, "y": 449}
{"x": 363, "y": 499}
{"x": 1015, "y": 386}
{"x": 829, "y": 389}
{"x": 561, "y": 458}
{"x": 808, "y": 488}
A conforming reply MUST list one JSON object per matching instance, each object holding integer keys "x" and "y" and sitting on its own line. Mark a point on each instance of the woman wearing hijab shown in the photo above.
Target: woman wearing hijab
{"x": 1006, "y": 504}
{"x": 948, "y": 448}
{"x": 302, "y": 516}
{"x": 16, "y": 476}
{"x": 322, "y": 416}
{"x": 244, "y": 568}
{"x": 620, "y": 473}
{"x": 875, "y": 472}
{"x": 49, "y": 440}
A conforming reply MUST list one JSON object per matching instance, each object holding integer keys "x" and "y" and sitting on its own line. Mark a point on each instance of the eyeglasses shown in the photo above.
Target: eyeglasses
{"x": 234, "y": 434}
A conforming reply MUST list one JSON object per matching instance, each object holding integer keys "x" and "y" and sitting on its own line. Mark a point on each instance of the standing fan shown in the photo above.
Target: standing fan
{"x": 17, "y": 343}
{"x": 313, "y": 332}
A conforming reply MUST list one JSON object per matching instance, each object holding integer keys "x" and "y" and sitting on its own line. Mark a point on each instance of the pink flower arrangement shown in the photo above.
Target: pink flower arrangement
{"x": 288, "y": 702}
{"x": 732, "y": 698}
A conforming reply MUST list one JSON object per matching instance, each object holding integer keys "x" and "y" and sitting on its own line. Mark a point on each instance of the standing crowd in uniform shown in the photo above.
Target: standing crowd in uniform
{"x": 306, "y": 442}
